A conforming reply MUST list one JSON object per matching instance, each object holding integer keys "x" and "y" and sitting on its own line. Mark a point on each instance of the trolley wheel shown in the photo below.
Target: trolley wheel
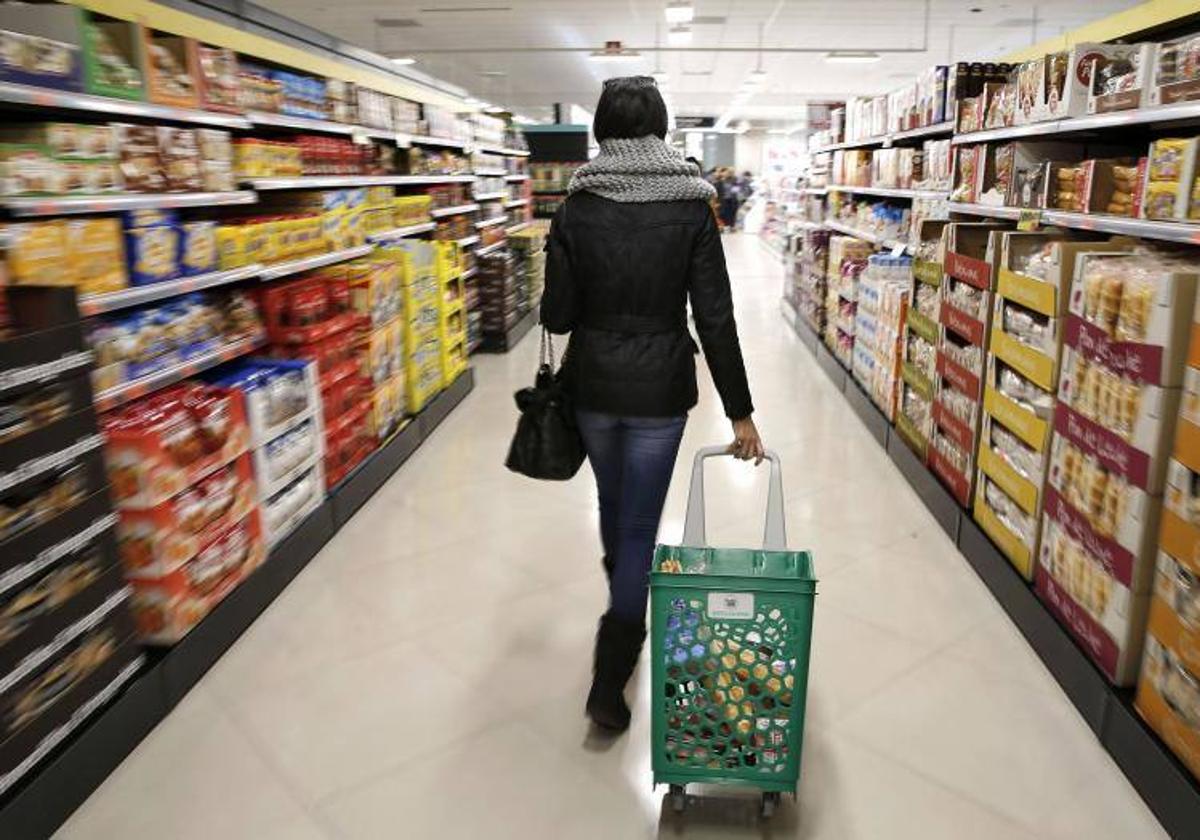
{"x": 678, "y": 798}
{"x": 770, "y": 801}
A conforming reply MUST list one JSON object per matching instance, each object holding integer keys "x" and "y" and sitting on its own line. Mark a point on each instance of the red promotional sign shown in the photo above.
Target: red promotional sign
{"x": 1117, "y": 560}
{"x": 970, "y": 270}
{"x": 1113, "y": 451}
{"x": 1140, "y": 362}
{"x": 1094, "y": 638}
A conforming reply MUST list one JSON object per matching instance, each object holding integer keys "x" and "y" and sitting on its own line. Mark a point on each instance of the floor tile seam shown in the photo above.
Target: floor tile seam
{"x": 250, "y": 736}
{"x": 925, "y": 658}
{"x": 1031, "y": 830}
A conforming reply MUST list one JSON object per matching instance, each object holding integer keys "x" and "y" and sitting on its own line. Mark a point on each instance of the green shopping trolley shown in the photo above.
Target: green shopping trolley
{"x": 731, "y": 631}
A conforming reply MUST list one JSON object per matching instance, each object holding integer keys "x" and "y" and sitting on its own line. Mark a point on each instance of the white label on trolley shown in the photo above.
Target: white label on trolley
{"x": 738, "y": 606}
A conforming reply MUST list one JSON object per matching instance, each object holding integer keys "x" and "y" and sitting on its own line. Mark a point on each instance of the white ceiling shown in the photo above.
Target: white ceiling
{"x": 462, "y": 41}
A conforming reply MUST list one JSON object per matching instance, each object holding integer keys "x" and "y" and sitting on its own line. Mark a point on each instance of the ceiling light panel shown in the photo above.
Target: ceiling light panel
{"x": 679, "y": 35}
{"x": 679, "y": 11}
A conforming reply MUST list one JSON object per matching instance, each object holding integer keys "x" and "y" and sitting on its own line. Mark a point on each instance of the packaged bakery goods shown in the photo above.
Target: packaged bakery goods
{"x": 218, "y": 77}
{"x": 277, "y": 394}
{"x": 114, "y": 57}
{"x": 96, "y": 255}
{"x": 153, "y": 253}
{"x": 140, "y": 163}
{"x": 157, "y": 538}
{"x": 171, "y": 69}
{"x": 197, "y": 248}
{"x": 170, "y": 604}
{"x": 159, "y": 446}
{"x": 39, "y": 46}
{"x": 180, "y": 159}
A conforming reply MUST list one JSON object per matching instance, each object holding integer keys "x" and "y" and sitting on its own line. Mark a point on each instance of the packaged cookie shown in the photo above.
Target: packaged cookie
{"x": 180, "y": 158}
{"x": 140, "y": 163}
{"x": 153, "y": 254}
{"x": 197, "y": 248}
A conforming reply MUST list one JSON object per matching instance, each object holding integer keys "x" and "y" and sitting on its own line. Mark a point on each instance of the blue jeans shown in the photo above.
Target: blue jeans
{"x": 632, "y": 458}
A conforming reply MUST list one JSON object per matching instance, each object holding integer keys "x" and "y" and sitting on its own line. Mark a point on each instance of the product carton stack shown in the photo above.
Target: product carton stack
{"x": 810, "y": 278}
{"x": 1118, "y": 399}
{"x": 1028, "y": 324}
{"x": 452, "y": 315}
{"x": 847, "y": 259}
{"x": 883, "y": 292}
{"x": 421, "y": 317}
{"x": 1168, "y": 693}
{"x": 972, "y": 254}
{"x": 918, "y": 367}
{"x": 283, "y": 409}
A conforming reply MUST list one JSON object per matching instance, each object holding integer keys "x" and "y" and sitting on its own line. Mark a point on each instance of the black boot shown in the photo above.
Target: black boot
{"x": 618, "y": 644}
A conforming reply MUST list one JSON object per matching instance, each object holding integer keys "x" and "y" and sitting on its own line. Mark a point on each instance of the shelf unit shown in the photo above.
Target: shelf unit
{"x": 1180, "y": 112}
{"x": 888, "y": 192}
{"x": 403, "y": 139}
{"x": 490, "y": 249}
{"x": 442, "y": 212}
{"x": 65, "y": 100}
{"x": 487, "y": 223}
{"x": 886, "y": 140}
{"x": 126, "y": 391}
{"x": 520, "y": 202}
{"x": 467, "y": 241}
{"x": 881, "y": 241}
{"x": 1163, "y": 782}
{"x": 137, "y": 295}
{"x": 491, "y": 172}
{"x": 401, "y": 232}
{"x": 520, "y": 176}
{"x": 277, "y": 270}
{"x": 491, "y": 196}
{"x": 1182, "y": 232}
{"x": 519, "y": 226}
{"x": 29, "y": 206}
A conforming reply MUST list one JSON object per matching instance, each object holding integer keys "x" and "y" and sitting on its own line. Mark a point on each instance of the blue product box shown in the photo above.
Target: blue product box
{"x": 197, "y": 248}
{"x": 150, "y": 217}
{"x": 153, "y": 254}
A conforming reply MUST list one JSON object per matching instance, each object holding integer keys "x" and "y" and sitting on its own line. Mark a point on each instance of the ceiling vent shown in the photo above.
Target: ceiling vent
{"x": 709, "y": 20}
{"x": 396, "y": 23}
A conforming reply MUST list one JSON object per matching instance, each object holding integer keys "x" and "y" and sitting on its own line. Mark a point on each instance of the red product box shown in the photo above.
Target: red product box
{"x": 337, "y": 356}
{"x": 159, "y": 446}
{"x": 308, "y": 309}
{"x": 158, "y": 539}
{"x": 347, "y": 442}
{"x": 345, "y": 396}
{"x": 167, "y": 607}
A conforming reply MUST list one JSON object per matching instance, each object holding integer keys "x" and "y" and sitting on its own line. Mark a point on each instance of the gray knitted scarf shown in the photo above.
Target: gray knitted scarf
{"x": 638, "y": 170}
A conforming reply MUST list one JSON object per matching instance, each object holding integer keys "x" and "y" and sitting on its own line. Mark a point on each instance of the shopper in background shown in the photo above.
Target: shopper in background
{"x": 631, "y": 244}
{"x": 727, "y": 198}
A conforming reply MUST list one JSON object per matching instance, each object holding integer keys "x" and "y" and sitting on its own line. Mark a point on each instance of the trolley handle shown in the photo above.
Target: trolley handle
{"x": 774, "y": 535}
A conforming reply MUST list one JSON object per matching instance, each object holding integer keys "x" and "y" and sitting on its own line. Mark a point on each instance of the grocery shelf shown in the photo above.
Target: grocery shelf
{"x": 813, "y": 190}
{"x": 516, "y": 177}
{"x": 517, "y": 227}
{"x": 137, "y": 295}
{"x": 1165, "y": 231}
{"x": 881, "y": 241}
{"x": 491, "y": 196}
{"x": 107, "y": 106}
{"x": 1180, "y": 112}
{"x": 425, "y": 140}
{"x": 469, "y": 273}
{"x": 507, "y": 340}
{"x": 401, "y": 232}
{"x": 1167, "y": 787}
{"x": 126, "y": 391}
{"x": 490, "y": 249}
{"x": 42, "y": 802}
{"x": 440, "y": 212}
{"x": 413, "y": 180}
{"x": 303, "y": 182}
{"x": 889, "y": 192}
{"x": 467, "y": 241}
{"x": 804, "y": 224}
{"x": 492, "y": 222}
{"x": 493, "y": 149}
{"x": 491, "y": 172}
{"x": 277, "y": 270}
{"x": 45, "y": 205}
{"x": 265, "y": 118}
{"x": 937, "y": 129}
{"x": 515, "y": 152}
{"x": 520, "y": 202}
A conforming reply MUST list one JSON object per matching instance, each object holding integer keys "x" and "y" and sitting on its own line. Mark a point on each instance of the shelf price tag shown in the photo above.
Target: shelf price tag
{"x": 403, "y": 141}
{"x": 360, "y": 137}
{"x": 898, "y": 249}
{"x": 1030, "y": 219}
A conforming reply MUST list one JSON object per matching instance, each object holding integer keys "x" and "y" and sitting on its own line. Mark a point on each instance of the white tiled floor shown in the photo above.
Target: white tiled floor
{"x": 424, "y": 676}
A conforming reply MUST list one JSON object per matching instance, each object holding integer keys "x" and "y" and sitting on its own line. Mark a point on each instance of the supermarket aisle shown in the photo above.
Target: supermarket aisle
{"x": 424, "y": 677}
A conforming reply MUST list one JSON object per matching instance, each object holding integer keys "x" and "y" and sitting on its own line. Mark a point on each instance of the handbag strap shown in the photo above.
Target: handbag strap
{"x": 547, "y": 350}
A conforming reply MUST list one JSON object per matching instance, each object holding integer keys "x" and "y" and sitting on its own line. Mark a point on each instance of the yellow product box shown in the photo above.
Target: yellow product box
{"x": 395, "y": 345}
{"x": 331, "y": 229}
{"x": 37, "y": 254}
{"x": 257, "y": 246}
{"x": 380, "y": 197}
{"x": 96, "y": 253}
{"x": 231, "y": 247}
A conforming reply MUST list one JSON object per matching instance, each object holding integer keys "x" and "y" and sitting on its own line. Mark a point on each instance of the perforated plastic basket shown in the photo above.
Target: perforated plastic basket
{"x": 731, "y": 630}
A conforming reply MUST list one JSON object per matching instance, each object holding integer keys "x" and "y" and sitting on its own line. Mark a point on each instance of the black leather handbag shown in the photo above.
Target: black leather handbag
{"x": 547, "y": 444}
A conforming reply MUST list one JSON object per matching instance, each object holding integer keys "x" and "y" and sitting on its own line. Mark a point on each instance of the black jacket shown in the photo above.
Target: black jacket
{"x": 618, "y": 278}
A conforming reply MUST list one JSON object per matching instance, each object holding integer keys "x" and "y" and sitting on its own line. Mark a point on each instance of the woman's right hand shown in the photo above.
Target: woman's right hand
{"x": 747, "y": 444}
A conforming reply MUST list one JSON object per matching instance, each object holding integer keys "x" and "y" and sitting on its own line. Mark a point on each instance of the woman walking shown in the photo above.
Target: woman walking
{"x": 633, "y": 242}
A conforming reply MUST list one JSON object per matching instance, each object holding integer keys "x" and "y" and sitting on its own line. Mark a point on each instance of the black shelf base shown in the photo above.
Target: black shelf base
{"x": 1170, "y": 791}
{"x": 506, "y": 341}
{"x": 49, "y": 795}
